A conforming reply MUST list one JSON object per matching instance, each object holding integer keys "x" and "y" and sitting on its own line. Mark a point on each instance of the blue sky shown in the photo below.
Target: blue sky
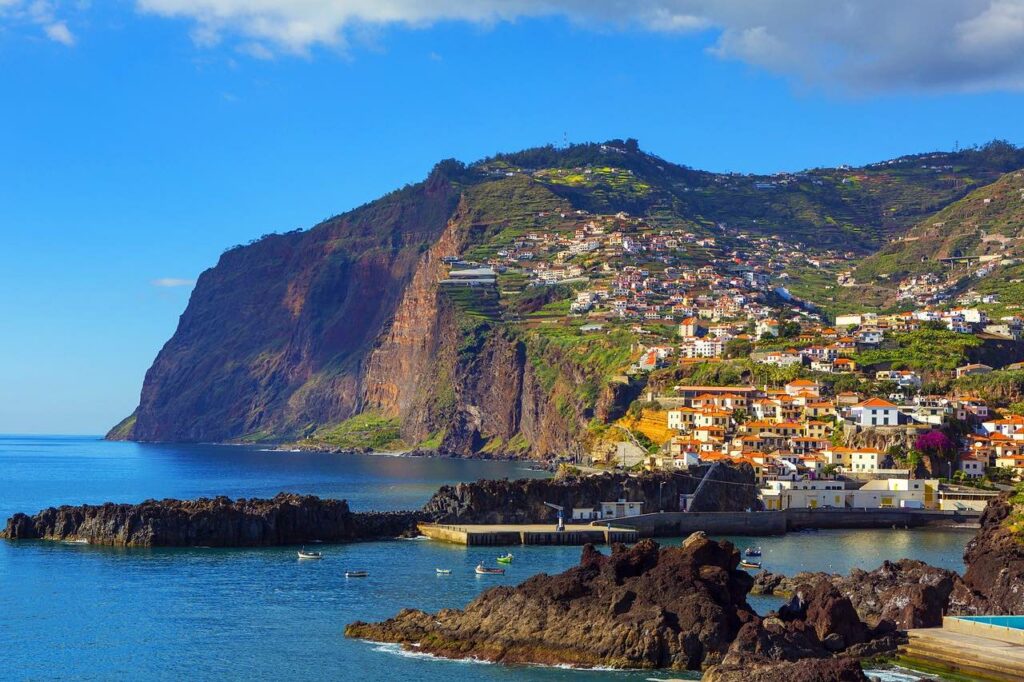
{"x": 139, "y": 140}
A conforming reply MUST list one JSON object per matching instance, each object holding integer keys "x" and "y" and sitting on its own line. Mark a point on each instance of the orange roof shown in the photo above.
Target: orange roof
{"x": 801, "y": 382}
{"x": 877, "y": 402}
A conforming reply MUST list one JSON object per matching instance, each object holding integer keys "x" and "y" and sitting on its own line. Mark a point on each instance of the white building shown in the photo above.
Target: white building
{"x": 876, "y": 412}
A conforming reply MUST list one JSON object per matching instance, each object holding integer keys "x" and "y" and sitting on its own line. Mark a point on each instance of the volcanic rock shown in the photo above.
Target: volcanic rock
{"x": 644, "y": 607}
{"x": 286, "y": 519}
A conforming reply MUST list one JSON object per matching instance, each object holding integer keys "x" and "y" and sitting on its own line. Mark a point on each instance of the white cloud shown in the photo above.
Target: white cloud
{"x": 861, "y": 45}
{"x": 37, "y": 13}
{"x": 851, "y": 45}
{"x": 59, "y": 33}
{"x": 169, "y": 282}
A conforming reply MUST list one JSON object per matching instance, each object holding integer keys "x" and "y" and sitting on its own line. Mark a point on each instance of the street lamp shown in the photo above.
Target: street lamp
{"x": 660, "y": 486}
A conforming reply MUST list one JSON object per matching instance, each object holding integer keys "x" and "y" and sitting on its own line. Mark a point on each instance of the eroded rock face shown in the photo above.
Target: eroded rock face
{"x": 995, "y": 563}
{"x": 645, "y": 606}
{"x": 219, "y": 522}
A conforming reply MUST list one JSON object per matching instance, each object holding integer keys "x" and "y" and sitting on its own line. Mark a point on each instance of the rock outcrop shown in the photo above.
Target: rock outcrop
{"x": 898, "y": 595}
{"x": 286, "y": 519}
{"x": 647, "y": 607}
{"x": 640, "y": 607}
{"x": 729, "y": 488}
{"x": 995, "y": 560}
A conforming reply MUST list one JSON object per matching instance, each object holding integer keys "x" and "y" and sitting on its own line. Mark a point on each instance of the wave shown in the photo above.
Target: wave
{"x": 399, "y": 650}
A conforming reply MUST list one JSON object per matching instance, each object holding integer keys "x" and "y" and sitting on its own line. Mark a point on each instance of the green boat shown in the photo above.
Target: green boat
{"x": 507, "y": 559}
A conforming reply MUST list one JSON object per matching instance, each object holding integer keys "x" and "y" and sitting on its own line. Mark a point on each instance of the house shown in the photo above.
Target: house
{"x": 865, "y": 460}
{"x": 803, "y": 495}
{"x": 767, "y": 327}
{"x": 876, "y": 412}
{"x": 691, "y": 327}
{"x": 803, "y": 386}
{"x": 972, "y": 468}
{"x": 621, "y": 509}
{"x": 972, "y": 370}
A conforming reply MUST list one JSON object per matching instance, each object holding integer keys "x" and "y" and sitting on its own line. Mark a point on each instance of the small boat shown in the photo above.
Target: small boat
{"x": 483, "y": 570}
{"x": 752, "y": 551}
{"x": 507, "y": 559}
{"x": 77, "y": 541}
{"x": 749, "y": 564}
{"x": 303, "y": 554}
{"x": 443, "y": 571}
{"x": 356, "y": 574}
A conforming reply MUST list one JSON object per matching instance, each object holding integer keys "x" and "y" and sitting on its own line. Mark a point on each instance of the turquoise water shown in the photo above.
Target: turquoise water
{"x": 1012, "y": 622}
{"x": 91, "y": 613}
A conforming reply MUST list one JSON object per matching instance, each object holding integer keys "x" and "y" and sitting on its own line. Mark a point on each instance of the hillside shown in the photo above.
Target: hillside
{"x": 344, "y": 335}
{"x": 973, "y": 245}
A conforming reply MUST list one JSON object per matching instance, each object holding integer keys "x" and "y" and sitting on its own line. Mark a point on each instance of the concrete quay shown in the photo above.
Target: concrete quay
{"x": 526, "y": 534}
{"x": 676, "y": 524}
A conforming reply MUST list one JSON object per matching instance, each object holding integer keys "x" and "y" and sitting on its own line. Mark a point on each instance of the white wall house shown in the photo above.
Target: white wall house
{"x": 876, "y": 412}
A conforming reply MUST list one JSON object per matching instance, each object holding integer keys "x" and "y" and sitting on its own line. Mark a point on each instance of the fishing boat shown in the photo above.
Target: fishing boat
{"x": 506, "y": 559}
{"x": 303, "y": 554}
{"x": 443, "y": 571}
{"x": 356, "y": 574}
{"x": 483, "y": 570}
{"x": 749, "y": 564}
{"x": 752, "y": 551}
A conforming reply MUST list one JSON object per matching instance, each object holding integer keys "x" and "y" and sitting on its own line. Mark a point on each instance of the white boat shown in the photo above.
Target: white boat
{"x": 303, "y": 554}
{"x": 443, "y": 571}
{"x": 483, "y": 570}
{"x": 356, "y": 574}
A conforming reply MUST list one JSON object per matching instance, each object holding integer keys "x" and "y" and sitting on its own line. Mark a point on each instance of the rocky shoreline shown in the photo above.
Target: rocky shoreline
{"x": 680, "y": 608}
{"x": 287, "y": 519}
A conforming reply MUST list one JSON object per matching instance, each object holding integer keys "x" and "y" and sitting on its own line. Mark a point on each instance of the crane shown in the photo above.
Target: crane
{"x": 561, "y": 515}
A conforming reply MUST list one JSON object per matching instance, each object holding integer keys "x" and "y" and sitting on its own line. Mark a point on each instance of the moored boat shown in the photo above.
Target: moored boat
{"x": 443, "y": 571}
{"x": 506, "y": 559}
{"x": 356, "y": 574}
{"x": 483, "y": 570}
{"x": 752, "y": 551}
{"x": 749, "y": 564}
{"x": 304, "y": 554}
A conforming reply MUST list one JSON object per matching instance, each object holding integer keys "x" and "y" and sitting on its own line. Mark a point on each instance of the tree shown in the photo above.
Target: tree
{"x": 829, "y": 470}
{"x": 935, "y": 443}
{"x": 737, "y": 348}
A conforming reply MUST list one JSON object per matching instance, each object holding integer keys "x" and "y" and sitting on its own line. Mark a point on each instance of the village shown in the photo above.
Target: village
{"x": 845, "y": 430}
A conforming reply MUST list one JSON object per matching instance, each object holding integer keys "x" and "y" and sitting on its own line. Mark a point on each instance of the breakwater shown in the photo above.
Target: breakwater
{"x": 778, "y": 522}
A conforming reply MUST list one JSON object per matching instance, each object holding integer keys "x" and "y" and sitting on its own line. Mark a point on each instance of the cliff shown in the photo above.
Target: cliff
{"x": 522, "y": 501}
{"x": 644, "y": 607}
{"x": 220, "y": 522}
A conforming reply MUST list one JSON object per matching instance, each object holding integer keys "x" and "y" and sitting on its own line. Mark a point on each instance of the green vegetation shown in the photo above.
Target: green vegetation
{"x": 367, "y": 430}
{"x": 123, "y": 429}
{"x": 924, "y": 349}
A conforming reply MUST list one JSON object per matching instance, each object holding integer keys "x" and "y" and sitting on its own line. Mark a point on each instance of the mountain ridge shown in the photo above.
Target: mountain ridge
{"x": 296, "y": 333}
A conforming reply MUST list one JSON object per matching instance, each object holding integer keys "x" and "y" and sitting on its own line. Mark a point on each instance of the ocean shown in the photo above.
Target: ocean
{"x": 91, "y": 613}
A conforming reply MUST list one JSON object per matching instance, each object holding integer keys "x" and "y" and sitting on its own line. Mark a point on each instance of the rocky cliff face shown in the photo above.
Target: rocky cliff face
{"x": 995, "y": 560}
{"x": 275, "y": 337}
{"x": 220, "y": 522}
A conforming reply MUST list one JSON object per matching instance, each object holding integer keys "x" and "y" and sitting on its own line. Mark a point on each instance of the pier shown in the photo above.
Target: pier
{"x": 963, "y": 646}
{"x": 526, "y": 534}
